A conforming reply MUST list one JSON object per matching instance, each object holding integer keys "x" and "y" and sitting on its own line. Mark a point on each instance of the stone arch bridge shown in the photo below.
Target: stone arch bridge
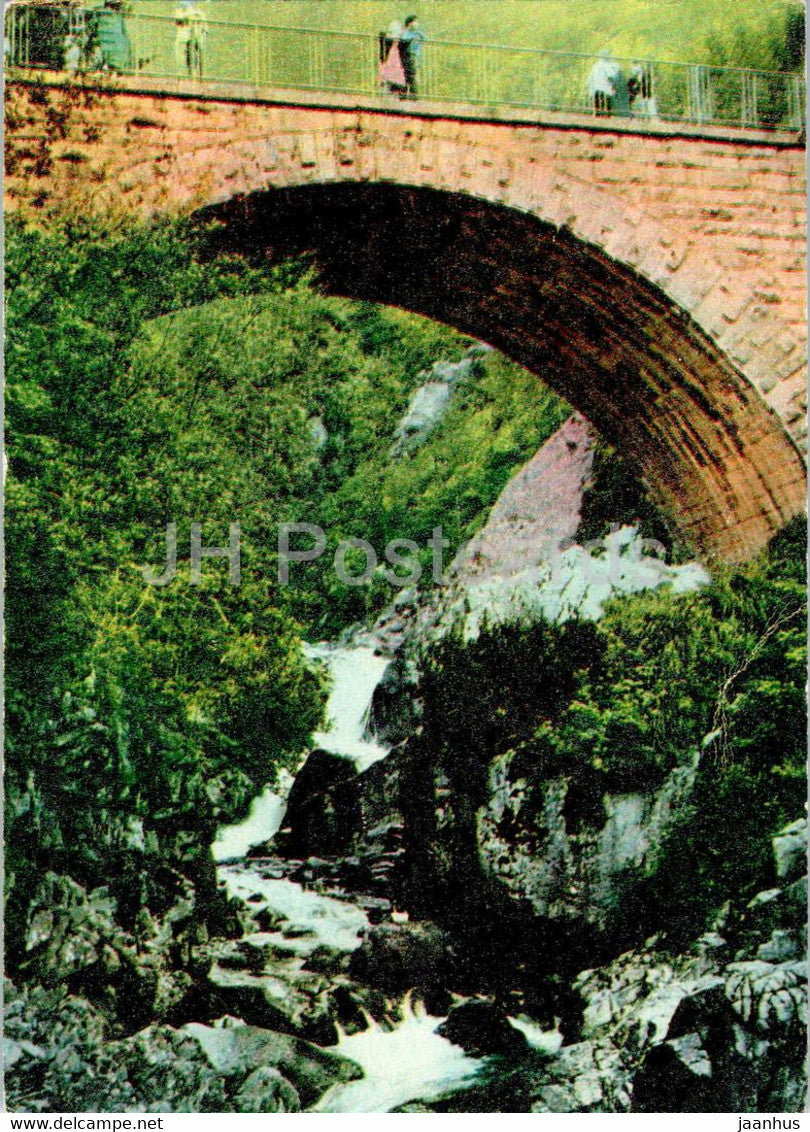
{"x": 654, "y": 276}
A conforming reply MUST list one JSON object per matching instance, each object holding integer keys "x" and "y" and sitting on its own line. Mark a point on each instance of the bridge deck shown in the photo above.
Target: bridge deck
{"x": 240, "y": 92}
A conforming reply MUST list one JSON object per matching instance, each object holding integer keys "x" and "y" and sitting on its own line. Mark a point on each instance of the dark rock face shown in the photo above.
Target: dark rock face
{"x": 523, "y": 882}
{"x": 482, "y": 1028}
{"x": 711, "y": 1030}
{"x": 358, "y": 817}
{"x": 74, "y": 940}
{"x": 320, "y": 817}
{"x": 265, "y": 1090}
{"x": 395, "y": 708}
{"x": 717, "y": 1026}
{"x": 397, "y": 957}
{"x": 505, "y": 846}
{"x": 491, "y": 838}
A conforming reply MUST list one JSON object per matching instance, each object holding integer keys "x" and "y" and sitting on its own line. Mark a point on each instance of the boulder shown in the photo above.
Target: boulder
{"x": 397, "y": 957}
{"x": 283, "y": 998}
{"x": 320, "y": 818}
{"x": 235, "y": 1050}
{"x": 481, "y": 1028}
{"x": 790, "y": 851}
{"x": 782, "y": 946}
{"x": 677, "y": 1076}
{"x": 395, "y": 707}
{"x": 586, "y": 1077}
{"x": 265, "y": 1090}
{"x": 168, "y": 1072}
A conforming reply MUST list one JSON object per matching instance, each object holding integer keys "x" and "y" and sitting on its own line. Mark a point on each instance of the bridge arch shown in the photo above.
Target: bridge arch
{"x": 599, "y": 331}
{"x": 686, "y": 357}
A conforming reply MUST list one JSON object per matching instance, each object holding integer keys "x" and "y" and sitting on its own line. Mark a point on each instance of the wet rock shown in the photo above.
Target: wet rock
{"x": 586, "y": 1077}
{"x": 283, "y": 997}
{"x": 265, "y": 1090}
{"x": 782, "y": 946}
{"x": 677, "y": 1077}
{"x": 395, "y": 707}
{"x": 168, "y": 1072}
{"x": 321, "y": 772}
{"x": 481, "y": 1028}
{"x": 234, "y": 1049}
{"x": 790, "y": 851}
{"x": 377, "y": 908}
{"x": 325, "y": 822}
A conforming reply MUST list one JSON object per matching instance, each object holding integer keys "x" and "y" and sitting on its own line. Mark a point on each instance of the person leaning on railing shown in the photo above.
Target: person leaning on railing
{"x": 410, "y": 48}
{"x": 640, "y": 88}
{"x": 607, "y": 86}
{"x": 601, "y": 84}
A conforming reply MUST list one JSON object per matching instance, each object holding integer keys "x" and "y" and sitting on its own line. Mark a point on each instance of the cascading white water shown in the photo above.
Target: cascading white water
{"x": 406, "y": 1063}
{"x": 335, "y": 923}
{"x": 409, "y": 1061}
{"x": 263, "y": 822}
{"x": 355, "y": 672}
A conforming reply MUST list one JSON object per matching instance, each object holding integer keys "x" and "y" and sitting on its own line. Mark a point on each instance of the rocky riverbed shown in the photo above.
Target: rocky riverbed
{"x": 403, "y": 926}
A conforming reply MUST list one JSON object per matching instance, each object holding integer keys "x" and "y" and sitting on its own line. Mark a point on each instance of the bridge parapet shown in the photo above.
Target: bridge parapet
{"x": 496, "y": 77}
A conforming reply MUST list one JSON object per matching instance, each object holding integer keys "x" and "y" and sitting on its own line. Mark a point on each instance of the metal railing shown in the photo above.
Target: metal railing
{"x": 304, "y": 59}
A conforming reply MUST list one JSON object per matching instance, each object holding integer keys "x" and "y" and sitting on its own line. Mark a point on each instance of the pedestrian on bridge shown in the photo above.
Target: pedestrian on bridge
{"x": 410, "y": 48}
{"x": 641, "y": 91}
{"x": 189, "y": 42}
{"x": 112, "y": 38}
{"x": 606, "y": 85}
{"x": 73, "y": 54}
{"x": 392, "y": 72}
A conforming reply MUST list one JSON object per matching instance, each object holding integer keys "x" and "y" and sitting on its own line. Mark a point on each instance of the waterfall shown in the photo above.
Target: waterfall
{"x": 355, "y": 672}
{"x": 263, "y": 822}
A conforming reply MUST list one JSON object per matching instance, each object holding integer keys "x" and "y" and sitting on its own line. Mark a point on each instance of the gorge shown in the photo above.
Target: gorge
{"x": 531, "y": 840}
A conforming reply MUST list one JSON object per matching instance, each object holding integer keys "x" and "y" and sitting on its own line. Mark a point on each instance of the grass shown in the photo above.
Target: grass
{"x": 737, "y": 34}
{"x": 674, "y": 30}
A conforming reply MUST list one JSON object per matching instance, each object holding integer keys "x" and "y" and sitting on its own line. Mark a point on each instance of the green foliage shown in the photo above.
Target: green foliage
{"x": 146, "y": 388}
{"x": 497, "y": 420}
{"x": 484, "y": 695}
{"x": 243, "y": 444}
{"x": 618, "y": 705}
{"x": 125, "y": 703}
